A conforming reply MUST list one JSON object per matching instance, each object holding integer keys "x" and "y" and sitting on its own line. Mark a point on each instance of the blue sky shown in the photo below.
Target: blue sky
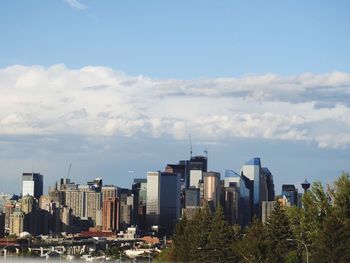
{"x": 113, "y": 86}
{"x": 183, "y": 39}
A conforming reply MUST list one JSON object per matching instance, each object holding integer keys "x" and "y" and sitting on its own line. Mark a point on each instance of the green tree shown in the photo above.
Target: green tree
{"x": 115, "y": 252}
{"x": 341, "y": 196}
{"x": 332, "y": 241}
{"x": 166, "y": 255}
{"x": 181, "y": 240}
{"x": 199, "y": 229}
{"x": 252, "y": 246}
{"x": 220, "y": 238}
{"x": 326, "y": 220}
{"x": 327, "y": 216}
{"x": 278, "y": 230}
{"x": 295, "y": 215}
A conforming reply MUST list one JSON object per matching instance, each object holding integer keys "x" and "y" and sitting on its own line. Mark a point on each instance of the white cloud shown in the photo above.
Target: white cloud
{"x": 75, "y": 4}
{"x": 99, "y": 101}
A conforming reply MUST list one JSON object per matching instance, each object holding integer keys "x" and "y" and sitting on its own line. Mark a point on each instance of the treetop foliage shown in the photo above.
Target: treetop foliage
{"x": 322, "y": 224}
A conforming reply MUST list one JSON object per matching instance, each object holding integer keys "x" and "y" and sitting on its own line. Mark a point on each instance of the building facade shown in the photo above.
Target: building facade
{"x": 212, "y": 187}
{"x": 2, "y": 224}
{"x": 291, "y": 193}
{"x": 163, "y": 200}
{"x": 262, "y": 187}
{"x": 32, "y": 184}
{"x": 110, "y": 214}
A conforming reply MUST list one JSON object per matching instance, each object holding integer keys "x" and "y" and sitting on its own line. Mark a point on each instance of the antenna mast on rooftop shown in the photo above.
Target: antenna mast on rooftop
{"x": 190, "y": 139}
{"x": 206, "y": 153}
{"x": 70, "y": 167}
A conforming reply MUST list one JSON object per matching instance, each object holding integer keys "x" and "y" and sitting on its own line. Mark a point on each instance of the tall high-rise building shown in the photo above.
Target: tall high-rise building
{"x": 252, "y": 170}
{"x": 108, "y": 191}
{"x": 192, "y": 198}
{"x": 126, "y": 211}
{"x": 191, "y": 202}
{"x": 231, "y": 203}
{"x": 269, "y": 184}
{"x": 110, "y": 214}
{"x": 32, "y": 184}
{"x": 127, "y": 208}
{"x": 81, "y": 205}
{"x": 86, "y": 204}
{"x": 236, "y": 198}
{"x": 262, "y": 188}
{"x": 195, "y": 163}
{"x": 33, "y": 220}
{"x": 2, "y": 224}
{"x": 16, "y": 223}
{"x": 199, "y": 163}
{"x": 267, "y": 208}
{"x": 65, "y": 218}
{"x": 196, "y": 176}
{"x": 95, "y": 184}
{"x": 139, "y": 189}
{"x": 177, "y": 169}
{"x": 92, "y": 204}
{"x": 4, "y": 198}
{"x": 291, "y": 193}
{"x": 163, "y": 200}
{"x": 153, "y": 198}
{"x": 212, "y": 187}
{"x": 9, "y": 208}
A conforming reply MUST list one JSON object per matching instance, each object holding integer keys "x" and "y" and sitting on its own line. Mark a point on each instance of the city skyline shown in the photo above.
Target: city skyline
{"x": 192, "y": 178}
{"x": 116, "y": 88}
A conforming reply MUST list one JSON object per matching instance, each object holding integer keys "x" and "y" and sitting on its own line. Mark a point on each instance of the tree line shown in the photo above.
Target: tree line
{"x": 322, "y": 225}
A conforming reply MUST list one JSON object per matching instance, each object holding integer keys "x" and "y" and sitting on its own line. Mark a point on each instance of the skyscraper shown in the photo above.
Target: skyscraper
{"x": 163, "y": 200}
{"x": 212, "y": 187}
{"x": 32, "y": 184}
{"x": 192, "y": 198}
{"x": 139, "y": 189}
{"x": 262, "y": 184}
{"x": 16, "y": 223}
{"x": 237, "y": 206}
{"x": 195, "y": 163}
{"x": 177, "y": 169}
{"x": 269, "y": 184}
{"x": 153, "y": 198}
{"x": 127, "y": 209}
{"x": 291, "y": 193}
{"x": 32, "y": 219}
{"x": 110, "y": 215}
{"x": 108, "y": 191}
{"x": 195, "y": 177}
{"x": 2, "y": 224}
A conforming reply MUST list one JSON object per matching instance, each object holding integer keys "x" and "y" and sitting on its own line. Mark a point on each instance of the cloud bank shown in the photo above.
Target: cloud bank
{"x": 100, "y": 101}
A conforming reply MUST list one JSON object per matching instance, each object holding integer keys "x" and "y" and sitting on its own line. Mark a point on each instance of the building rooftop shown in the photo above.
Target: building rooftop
{"x": 254, "y": 161}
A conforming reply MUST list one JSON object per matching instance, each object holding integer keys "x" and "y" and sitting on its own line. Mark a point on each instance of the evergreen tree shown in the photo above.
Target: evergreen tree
{"x": 219, "y": 238}
{"x": 332, "y": 241}
{"x": 253, "y": 246}
{"x": 199, "y": 229}
{"x": 278, "y": 230}
{"x": 181, "y": 248}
